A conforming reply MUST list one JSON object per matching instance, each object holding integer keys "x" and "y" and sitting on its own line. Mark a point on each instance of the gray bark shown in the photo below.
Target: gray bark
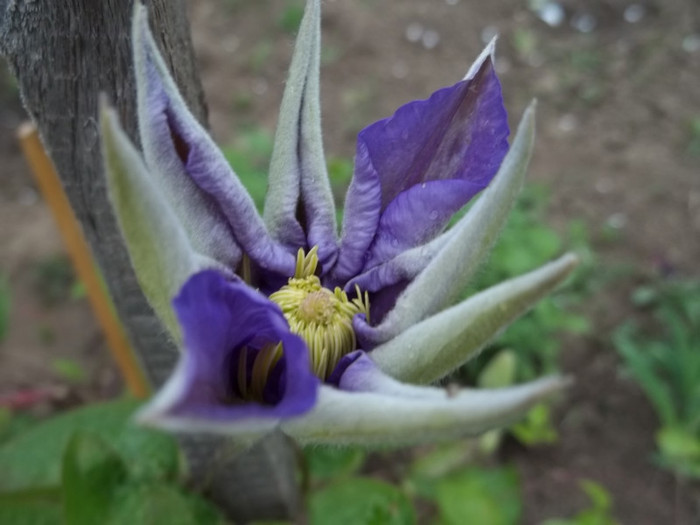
{"x": 64, "y": 54}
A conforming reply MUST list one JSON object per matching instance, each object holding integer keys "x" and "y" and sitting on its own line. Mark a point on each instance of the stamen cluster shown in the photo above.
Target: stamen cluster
{"x": 321, "y": 317}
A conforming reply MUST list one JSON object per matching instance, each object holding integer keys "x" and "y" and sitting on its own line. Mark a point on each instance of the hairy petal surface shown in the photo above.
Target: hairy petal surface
{"x": 471, "y": 239}
{"x": 416, "y": 415}
{"x": 221, "y": 318}
{"x": 160, "y": 250}
{"x": 298, "y": 166}
{"x": 361, "y": 215}
{"x": 430, "y": 350}
{"x": 194, "y": 173}
{"x": 206, "y": 227}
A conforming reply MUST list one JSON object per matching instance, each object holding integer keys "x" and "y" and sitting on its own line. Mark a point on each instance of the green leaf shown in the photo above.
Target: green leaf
{"x": 34, "y": 457}
{"x": 678, "y": 445}
{"x": 486, "y": 497}
{"x": 599, "y": 496}
{"x": 159, "y": 504}
{"x": 442, "y": 460}
{"x": 360, "y": 501}
{"x": 499, "y": 372}
{"x": 31, "y": 508}
{"x": 69, "y": 370}
{"x": 92, "y": 471}
{"x": 597, "y": 514}
{"x": 329, "y": 462}
{"x": 536, "y": 427}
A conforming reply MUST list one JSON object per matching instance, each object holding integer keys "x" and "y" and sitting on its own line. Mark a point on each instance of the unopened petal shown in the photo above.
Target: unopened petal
{"x": 219, "y": 214}
{"x": 435, "y": 347}
{"x": 373, "y": 418}
{"x": 298, "y": 172}
{"x": 159, "y": 248}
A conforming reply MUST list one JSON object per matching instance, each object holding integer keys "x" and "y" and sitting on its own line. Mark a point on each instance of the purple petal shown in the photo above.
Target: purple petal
{"x": 221, "y": 318}
{"x": 361, "y": 218}
{"x": 357, "y": 372}
{"x": 460, "y": 132}
{"x": 207, "y": 229}
{"x": 418, "y": 215}
{"x": 368, "y": 337}
{"x": 174, "y": 138}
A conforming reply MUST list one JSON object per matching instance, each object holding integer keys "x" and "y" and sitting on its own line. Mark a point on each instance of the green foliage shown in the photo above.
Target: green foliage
{"x": 32, "y": 507}
{"x": 360, "y": 500}
{"x": 69, "y": 370}
{"x": 330, "y": 462}
{"x": 599, "y": 512}
{"x": 291, "y": 16}
{"x": 93, "y": 466}
{"x": 160, "y": 504}
{"x": 34, "y": 458}
{"x": 92, "y": 472}
{"x": 488, "y": 497}
{"x": 665, "y": 360}
{"x": 536, "y": 428}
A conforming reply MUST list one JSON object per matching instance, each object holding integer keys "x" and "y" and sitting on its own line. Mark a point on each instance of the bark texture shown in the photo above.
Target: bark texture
{"x": 64, "y": 54}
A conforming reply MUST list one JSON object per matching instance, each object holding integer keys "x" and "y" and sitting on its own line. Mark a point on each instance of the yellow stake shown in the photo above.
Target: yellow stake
{"x": 81, "y": 256}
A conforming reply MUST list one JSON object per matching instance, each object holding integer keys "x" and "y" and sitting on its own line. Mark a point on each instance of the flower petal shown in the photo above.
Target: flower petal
{"x": 417, "y": 216}
{"x": 193, "y": 172}
{"x": 417, "y": 415}
{"x": 220, "y": 319}
{"x": 472, "y": 237}
{"x": 361, "y": 214}
{"x": 414, "y": 170}
{"x": 298, "y": 166}
{"x": 460, "y": 132}
{"x": 431, "y": 349}
{"x": 160, "y": 250}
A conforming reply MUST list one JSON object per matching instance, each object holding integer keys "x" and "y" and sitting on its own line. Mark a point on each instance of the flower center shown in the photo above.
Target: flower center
{"x": 321, "y": 317}
{"x": 251, "y": 382}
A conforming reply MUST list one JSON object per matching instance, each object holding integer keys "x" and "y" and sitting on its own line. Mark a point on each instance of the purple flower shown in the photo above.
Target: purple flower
{"x": 284, "y": 323}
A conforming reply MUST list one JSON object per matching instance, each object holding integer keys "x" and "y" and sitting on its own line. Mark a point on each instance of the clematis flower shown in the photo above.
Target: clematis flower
{"x": 282, "y": 322}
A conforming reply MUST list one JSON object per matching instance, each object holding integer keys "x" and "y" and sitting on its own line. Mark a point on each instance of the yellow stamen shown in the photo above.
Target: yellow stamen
{"x": 321, "y": 317}
{"x": 265, "y": 360}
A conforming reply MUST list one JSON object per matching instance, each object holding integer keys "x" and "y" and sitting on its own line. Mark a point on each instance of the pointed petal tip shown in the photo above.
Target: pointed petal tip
{"x": 565, "y": 264}
{"x": 488, "y": 52}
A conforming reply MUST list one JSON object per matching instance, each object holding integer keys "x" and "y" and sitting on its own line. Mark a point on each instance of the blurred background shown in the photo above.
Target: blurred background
{"x": 615, "y": 177}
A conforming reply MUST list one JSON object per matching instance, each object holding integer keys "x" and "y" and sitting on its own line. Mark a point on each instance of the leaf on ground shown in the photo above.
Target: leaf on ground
{"x": 33, "y": 458}
{"x": 486, "y": 497}
{"x": 92, "y": 472}
{"x": 360, "y": 500}
{"x": 160, "y": 504}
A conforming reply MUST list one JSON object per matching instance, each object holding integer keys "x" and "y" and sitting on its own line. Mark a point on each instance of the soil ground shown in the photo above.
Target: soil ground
{"x": 614, "y": 144}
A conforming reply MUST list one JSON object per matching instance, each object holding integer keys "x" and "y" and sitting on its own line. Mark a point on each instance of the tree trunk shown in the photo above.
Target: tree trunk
{"x": 64, "y": 54}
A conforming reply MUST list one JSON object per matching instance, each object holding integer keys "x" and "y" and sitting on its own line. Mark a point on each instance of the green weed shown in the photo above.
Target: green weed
{"x": 664, "y": 358}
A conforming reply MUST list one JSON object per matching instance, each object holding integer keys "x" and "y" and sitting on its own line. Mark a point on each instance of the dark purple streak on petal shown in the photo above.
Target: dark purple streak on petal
{"x": 460, "y": 132}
